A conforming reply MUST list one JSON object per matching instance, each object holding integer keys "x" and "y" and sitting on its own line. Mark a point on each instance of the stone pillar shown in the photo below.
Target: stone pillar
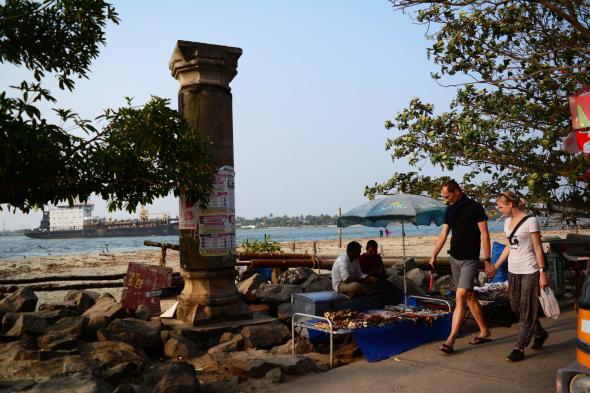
{"x": 204, "y": 72}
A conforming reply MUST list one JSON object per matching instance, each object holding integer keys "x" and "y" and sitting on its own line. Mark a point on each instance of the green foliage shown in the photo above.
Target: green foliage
{"x": 506, "y": 125}
{"x": 139, "y": 155}
{"x": 267, "y": 245}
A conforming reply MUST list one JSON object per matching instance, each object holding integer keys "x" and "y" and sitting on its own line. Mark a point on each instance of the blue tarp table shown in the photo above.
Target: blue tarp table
{"x": 377, "y": 343}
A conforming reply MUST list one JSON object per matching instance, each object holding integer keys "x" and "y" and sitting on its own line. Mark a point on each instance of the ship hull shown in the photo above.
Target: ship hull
{"x": 156, "y": 230}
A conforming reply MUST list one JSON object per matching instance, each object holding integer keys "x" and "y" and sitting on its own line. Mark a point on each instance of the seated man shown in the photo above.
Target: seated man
{"x": 347, "y": 276}
{"x": 372, "y": 265}
{"x": 371, "y": 262}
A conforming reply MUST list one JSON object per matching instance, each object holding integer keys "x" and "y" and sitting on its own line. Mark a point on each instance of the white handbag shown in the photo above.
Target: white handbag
{"x": 549, "y": 303}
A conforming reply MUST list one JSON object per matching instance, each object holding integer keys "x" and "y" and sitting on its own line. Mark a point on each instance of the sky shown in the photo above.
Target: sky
{"x": 315, "y": 84}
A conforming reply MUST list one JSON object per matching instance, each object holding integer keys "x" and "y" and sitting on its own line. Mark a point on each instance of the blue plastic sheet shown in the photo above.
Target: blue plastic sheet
{"x": 502, "y": 273}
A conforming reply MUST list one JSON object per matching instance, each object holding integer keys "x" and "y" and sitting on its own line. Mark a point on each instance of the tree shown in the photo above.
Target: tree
{"x": 142, "y": 153}
{"x": 514, "y": 64}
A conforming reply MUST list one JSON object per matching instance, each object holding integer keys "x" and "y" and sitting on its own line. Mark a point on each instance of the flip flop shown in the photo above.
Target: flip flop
{"x": 480, "y": 340}
{"x": 446, "y": 349}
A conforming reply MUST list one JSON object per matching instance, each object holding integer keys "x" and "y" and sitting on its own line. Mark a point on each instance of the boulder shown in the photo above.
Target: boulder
{"x": 27, "y": 325}
{"x": 410, "y": 264}
{"x": 108, "y": 355}
{"x": 246, "y": 287}
{"x": 295, "y": 276}
{"x": 64, "y": 334}
{"x": 143, "y": 312}
{"x": 412, "y": 288}
{"x": 102, "y": 313}
{"x": 16, "y": 386}
{"x": 274, "y": 376}
{"x": 318, "y": 283}
{"x": 285, "y": 311}
{"x": 256, "y": 363}
{"x": 277, "y": 293}
{"x": 50, "y": 316}
{"x": 76, "y": 383}
{"x": 135, "y": 332}
{"x": 444, "y": 282}
{"x": 228, "y": 343}
{"x": 69, "y": 305}
{"x": 83, "y": 299}
{"x": 180, "y": 348}
{"x": 172, "y": 377}
{"x": 266, "y": 335}
{"x": 24, "y": 299}
{"x": 418, "y": 276}
{"x": 302, "y": 345}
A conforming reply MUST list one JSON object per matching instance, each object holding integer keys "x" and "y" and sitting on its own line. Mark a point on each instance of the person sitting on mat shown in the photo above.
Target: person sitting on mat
{"x": 347, "y": 276}
{"x": 468, "y": 222}
{"x": 372, "y": 265}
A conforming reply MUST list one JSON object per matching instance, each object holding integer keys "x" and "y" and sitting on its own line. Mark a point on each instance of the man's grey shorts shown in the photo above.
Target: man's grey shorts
{"x": 464, "y": 272}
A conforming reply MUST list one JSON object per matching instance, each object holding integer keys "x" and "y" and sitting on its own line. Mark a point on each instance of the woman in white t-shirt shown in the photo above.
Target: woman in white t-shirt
{"x": 526, "y": 266}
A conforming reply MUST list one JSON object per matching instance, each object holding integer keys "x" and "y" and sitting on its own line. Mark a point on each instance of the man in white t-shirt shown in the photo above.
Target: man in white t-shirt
{"x": 347, "y": 276}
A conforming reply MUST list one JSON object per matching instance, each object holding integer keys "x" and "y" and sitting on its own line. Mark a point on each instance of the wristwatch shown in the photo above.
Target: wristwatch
{"x": 487, "y": 259}
{"x": 542, "y": 269}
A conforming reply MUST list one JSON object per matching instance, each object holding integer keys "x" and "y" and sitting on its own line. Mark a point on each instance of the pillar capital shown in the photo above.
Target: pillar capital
{"x": 197, "y": 63}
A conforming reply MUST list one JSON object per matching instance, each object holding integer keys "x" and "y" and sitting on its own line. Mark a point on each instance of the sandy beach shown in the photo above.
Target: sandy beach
{"x": 113, "y": 263}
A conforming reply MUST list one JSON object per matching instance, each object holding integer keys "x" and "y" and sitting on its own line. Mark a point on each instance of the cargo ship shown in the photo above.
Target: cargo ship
{"x": 70, "y": 222}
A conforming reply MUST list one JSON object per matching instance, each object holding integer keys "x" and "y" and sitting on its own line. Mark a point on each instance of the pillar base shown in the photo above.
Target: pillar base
{"x": 210, "y": 296}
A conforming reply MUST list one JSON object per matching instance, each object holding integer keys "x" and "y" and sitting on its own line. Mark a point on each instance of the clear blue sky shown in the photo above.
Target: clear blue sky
{"x": 315, "y": 84}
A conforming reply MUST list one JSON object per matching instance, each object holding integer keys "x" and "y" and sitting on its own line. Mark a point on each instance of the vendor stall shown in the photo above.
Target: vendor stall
{"x": 379, "y": 333}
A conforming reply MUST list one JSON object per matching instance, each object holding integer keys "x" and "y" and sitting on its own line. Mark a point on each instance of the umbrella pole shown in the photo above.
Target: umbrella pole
{"x": 404, "y": 260}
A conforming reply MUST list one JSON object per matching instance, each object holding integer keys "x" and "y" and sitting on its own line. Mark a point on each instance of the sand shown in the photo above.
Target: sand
{"x": 96, "y": 264}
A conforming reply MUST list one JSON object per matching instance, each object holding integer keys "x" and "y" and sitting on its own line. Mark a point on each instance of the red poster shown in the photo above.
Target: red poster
{"x": 141, "y": 278}
{"x": 580, "y": 109}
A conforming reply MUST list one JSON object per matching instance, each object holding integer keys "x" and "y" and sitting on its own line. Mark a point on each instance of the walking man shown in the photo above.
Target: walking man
{"x": 467, "y": 221}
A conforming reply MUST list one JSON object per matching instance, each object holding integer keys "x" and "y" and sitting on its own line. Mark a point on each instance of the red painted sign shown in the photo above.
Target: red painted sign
{"x": 141, "y": 278}
{"x": 580, "y": 109}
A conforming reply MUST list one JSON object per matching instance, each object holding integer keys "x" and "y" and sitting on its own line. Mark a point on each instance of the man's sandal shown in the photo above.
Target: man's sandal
{"x": 480, "y": 340}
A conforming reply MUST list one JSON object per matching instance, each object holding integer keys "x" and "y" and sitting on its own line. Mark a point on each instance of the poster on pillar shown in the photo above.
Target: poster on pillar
{"x": 188, "y": 214}
{"x": 217, "y": 223}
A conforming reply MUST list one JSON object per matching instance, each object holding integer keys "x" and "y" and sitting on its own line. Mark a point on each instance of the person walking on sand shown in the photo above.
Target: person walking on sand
{"x": 526, "y": 268}
{"x": 387, "y": 232}
{"x": 467, "y": 221}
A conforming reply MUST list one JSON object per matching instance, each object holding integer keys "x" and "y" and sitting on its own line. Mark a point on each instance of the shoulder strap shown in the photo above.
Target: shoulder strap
{"x": 518, "y": 226}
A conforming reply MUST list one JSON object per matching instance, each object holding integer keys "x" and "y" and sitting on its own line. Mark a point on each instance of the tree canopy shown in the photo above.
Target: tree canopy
{"x": 514, "y": 64}
{"x": 141, "y": 153}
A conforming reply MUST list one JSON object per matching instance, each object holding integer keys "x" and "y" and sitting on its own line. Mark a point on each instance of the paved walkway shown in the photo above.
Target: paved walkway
{"x": 477, "y": 369}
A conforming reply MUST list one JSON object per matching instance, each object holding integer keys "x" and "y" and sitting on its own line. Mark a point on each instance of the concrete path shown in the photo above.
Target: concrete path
{"x": 477, "y": 369}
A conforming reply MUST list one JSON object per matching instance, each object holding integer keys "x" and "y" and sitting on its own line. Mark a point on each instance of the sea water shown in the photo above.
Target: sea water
{"x": 22, "y": 247}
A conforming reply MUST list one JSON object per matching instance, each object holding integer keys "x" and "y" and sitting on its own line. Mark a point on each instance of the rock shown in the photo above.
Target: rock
{"x": 412, "y": 288}
{"x": 64, "y": 334}
{"x": 108, "y": 354}
{"x": 180, "y": 348}
{"x": 295, "y": 276}
{"x": 410, "y": 264}
{"x": 303, "y": 345}
{"x": 42, "y": 369}
{"x": 274, "y": 376}
{"x": 135, "y": 332}
{"x": 266, "y": 335}
{"x": 16, "y": 386}
{"x": 70, "y": 305}
{"x": 77, "y": 383}
{"x": 256, "y": 363}
{"x": 83, "y": 299}
{"x": 172, "y": 377}
{"x": 104, "y": 295}
{"x": 24, "y": 299}
{"x": 321, "y": 360}
{"x": 285, "y": 311}
{"x": 318, "y": 283}
{"x": 419, "y": 277}
{"x": 102, "y": 313}
{"x": 272, "y": 293}
{"x": 247, "y": 287}
{"x": 143, "y": 312}
{"x": 50, "y": 316}
{"x": 228, "y": 343}
{"x": 27, "y": 325}
{"x": 444, "y": 282}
